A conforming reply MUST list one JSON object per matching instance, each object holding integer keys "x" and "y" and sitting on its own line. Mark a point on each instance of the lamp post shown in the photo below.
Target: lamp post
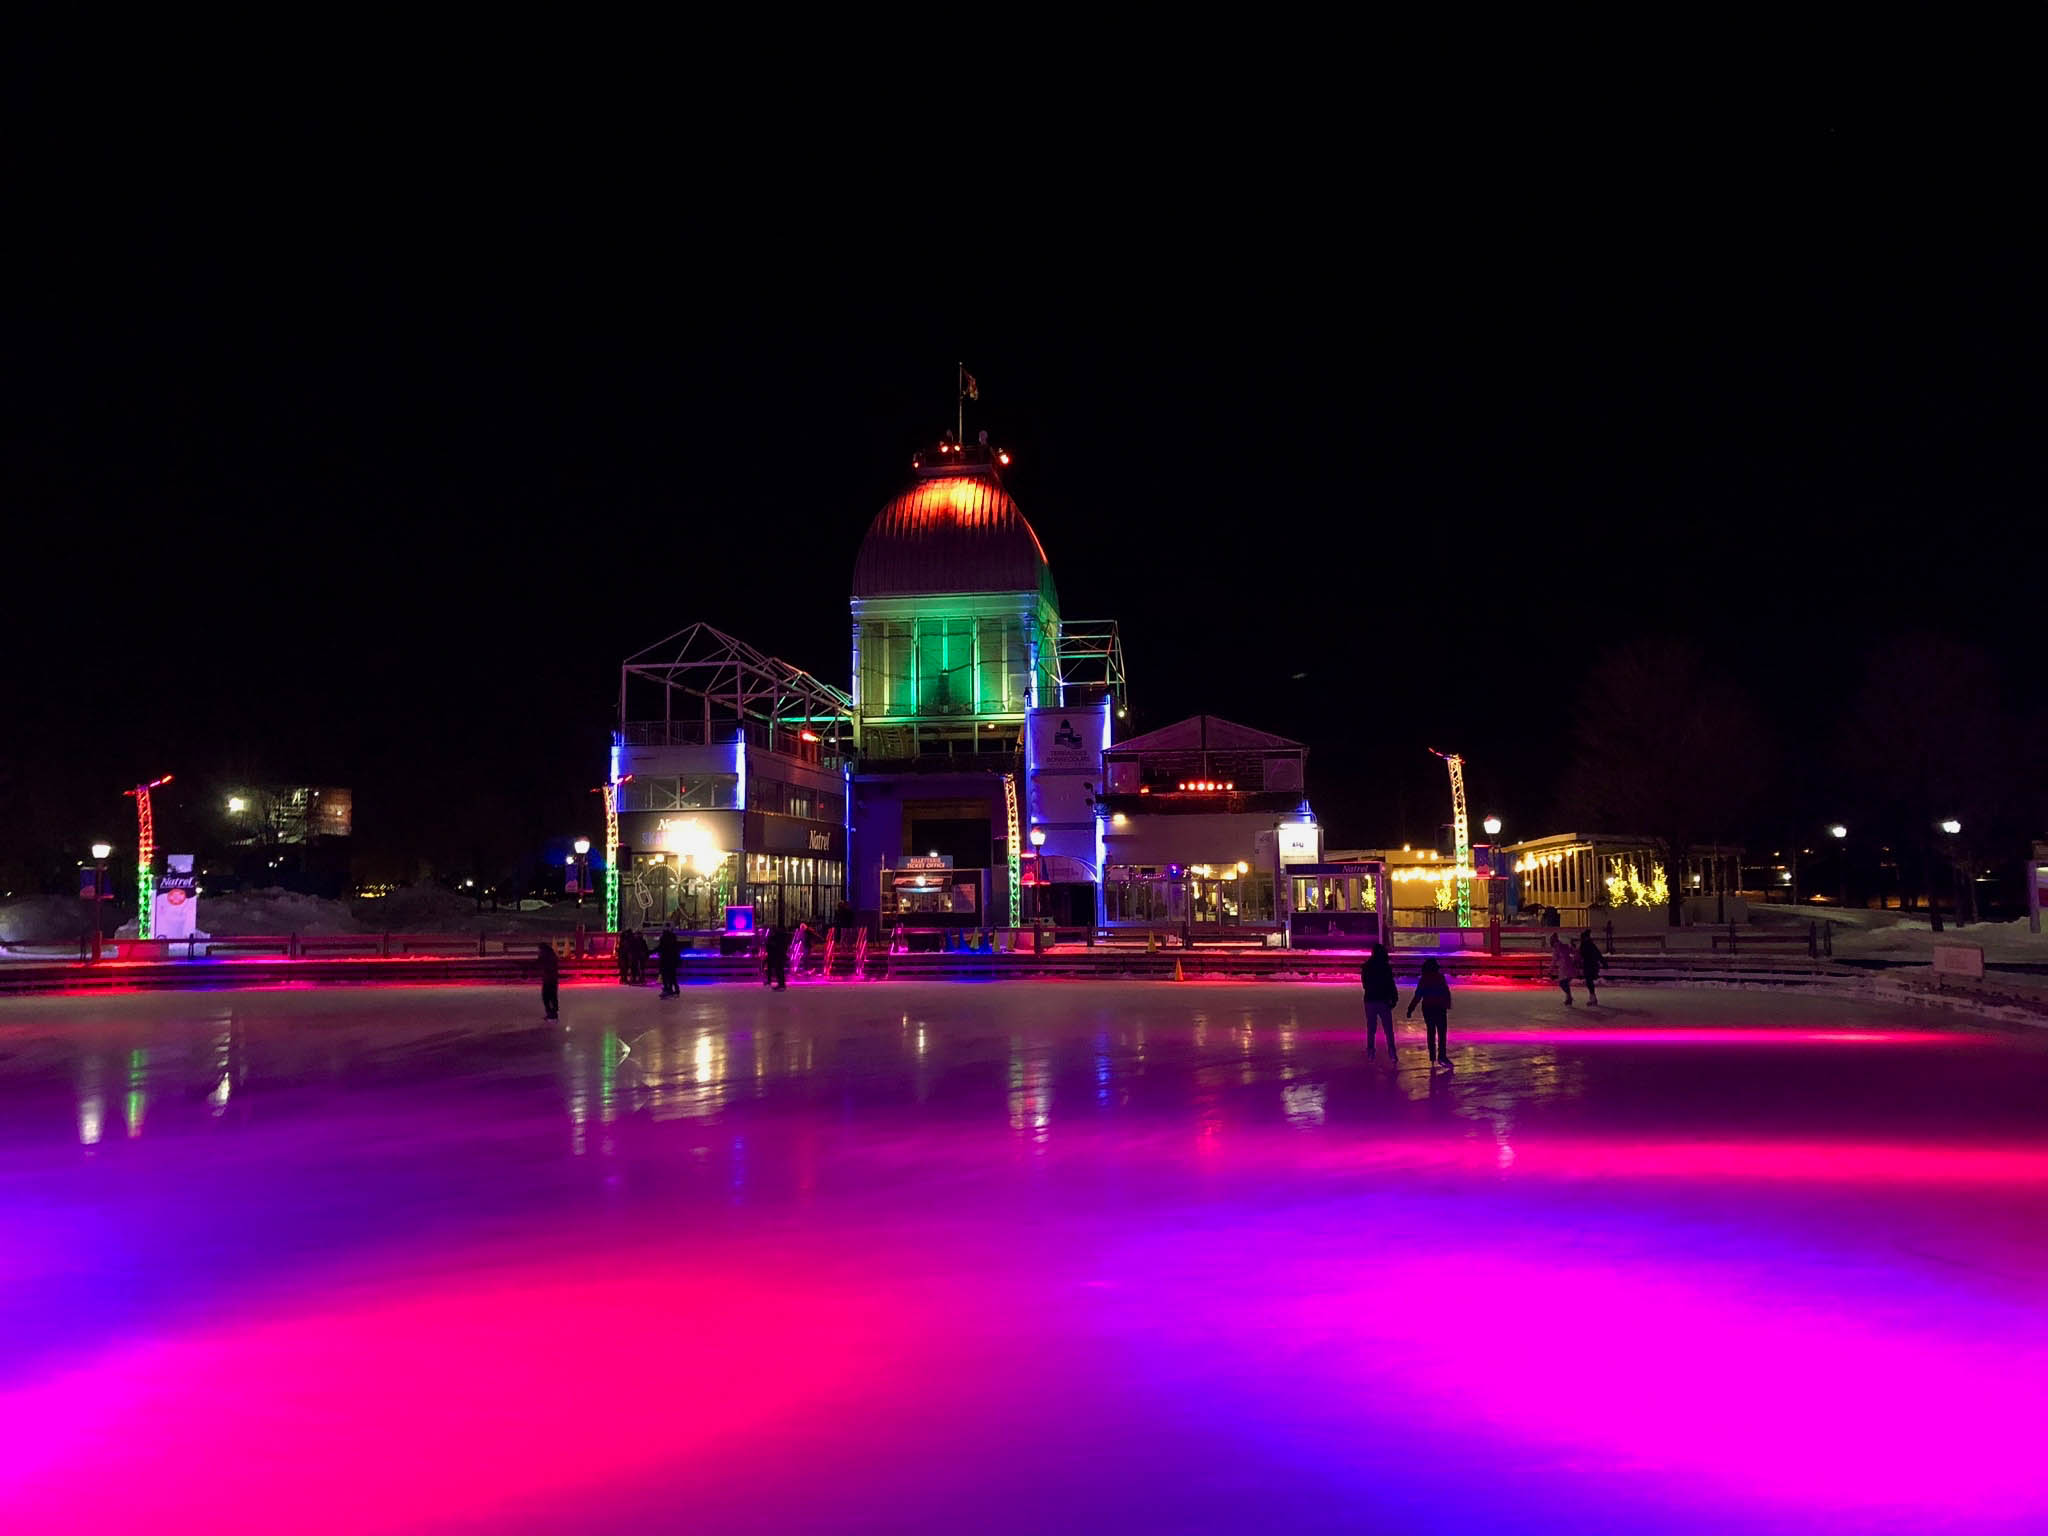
{"x": 1838, "y": 832}
{"x": 101, "y": 852}
{"x": 582, "y": 846}
{"x": 1492, "y": 825}
{"x": 1952, "y": 828}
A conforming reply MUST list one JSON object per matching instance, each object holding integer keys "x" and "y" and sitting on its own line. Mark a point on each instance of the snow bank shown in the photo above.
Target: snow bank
{"x": 41, "y": 920}
{"x": 1912, "y": 939}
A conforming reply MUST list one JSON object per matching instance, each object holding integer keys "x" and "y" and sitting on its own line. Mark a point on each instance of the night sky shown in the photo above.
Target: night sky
{"x": 359, "y": 485}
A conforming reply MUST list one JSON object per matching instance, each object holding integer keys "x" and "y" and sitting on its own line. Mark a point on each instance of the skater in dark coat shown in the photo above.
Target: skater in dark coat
{"x": 1434, "y": 993}
{"x": 668, "y": 953}
{"x": 622, "y": 952}
{"x": 1590, "y": 963}
{"x": 775, "y": 959}
{"x": 550, "y": 980}
{"x": 1381, "y": 997}
{"x": 636, "y": 958}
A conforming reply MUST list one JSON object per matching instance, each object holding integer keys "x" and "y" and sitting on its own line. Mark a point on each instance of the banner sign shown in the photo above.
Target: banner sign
{"x": 1068, "y": 741}
{"x": 177, "y": 899}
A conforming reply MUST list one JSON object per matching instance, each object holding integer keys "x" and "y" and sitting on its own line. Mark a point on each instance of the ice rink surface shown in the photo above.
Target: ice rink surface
{"x": 1030, "y": 1257}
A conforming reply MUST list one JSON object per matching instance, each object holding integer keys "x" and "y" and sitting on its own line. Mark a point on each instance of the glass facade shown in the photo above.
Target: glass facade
{"x": 939, "y": 666}
{"x": 1221, "y": 899}
{"x": 792, "y": 888}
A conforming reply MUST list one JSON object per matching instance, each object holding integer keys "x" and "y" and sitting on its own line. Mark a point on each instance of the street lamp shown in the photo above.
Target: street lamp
{"x": 101, "y": 852}
{"x": 1838, "y": 832}
{"x": 1951, "y": 826}
{"x": 236, "y": 805}
{"x": 1492, "y": 825}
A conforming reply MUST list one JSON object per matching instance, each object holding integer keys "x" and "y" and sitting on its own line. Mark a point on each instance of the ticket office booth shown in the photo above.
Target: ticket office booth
{"x": 925, "y": 894}
{"x": 1339, "y": 906}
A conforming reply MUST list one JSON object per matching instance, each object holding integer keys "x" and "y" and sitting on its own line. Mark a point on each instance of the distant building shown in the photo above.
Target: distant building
{"x": 1595, "y": 878}
{"x": 270, "y": 815}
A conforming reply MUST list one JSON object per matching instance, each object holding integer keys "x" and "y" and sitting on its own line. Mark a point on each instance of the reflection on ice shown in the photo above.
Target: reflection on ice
{"x": 1783, "y": 1276}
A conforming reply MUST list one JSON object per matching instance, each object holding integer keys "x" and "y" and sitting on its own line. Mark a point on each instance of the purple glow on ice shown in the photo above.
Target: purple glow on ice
{"x": 1015, "y": 1258}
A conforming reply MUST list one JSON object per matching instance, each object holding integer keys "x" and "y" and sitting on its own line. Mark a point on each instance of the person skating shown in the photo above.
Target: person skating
{"x": 622, "y": 953}
{"x": 668, "y": 952}
{"x": 1565, "y": 961}
{"x": 1590, "y": 963}
{"x": 636, "y": 958}
{"x": 775, "y": 959}
{"x": 550, "y": 980}
{"x": 1382, "y": 995}
{"x": 1434, "y": 993}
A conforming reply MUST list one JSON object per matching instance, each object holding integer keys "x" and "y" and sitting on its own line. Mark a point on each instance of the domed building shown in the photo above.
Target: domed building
{"x": 956, "y": 619}
{"x": 961, "y": 769}
{"x": 957, "y": 640}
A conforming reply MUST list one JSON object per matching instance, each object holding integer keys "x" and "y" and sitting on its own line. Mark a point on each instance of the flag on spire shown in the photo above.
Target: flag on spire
{"x": 969, "y": 390}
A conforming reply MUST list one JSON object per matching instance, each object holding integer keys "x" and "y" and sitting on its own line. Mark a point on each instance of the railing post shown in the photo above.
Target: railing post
{"x": 291, "y": 946}
{"x": 385, "y": 948}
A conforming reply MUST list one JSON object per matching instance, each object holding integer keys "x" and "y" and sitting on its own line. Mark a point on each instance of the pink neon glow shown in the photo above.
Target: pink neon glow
{"x": 1640, "y": 1367}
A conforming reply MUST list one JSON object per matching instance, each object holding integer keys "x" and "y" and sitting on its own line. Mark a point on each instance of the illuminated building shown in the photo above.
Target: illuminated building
{"x": 1592, "y": 879}
{"x": 979, "y": 713}
{"x": 1205, "y": 820}
{"x": 727, "y": 784}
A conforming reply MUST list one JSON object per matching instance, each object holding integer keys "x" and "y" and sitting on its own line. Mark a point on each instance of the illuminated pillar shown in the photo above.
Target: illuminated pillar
{"x": 145, "y": 856}
{"x": 1461, "y": 834}
{"x": 1016, "y": 853}
{"x": 611, "y": 857}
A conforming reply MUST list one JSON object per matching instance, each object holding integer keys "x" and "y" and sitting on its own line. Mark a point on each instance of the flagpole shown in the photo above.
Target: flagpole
{"x": 960, "y": 401}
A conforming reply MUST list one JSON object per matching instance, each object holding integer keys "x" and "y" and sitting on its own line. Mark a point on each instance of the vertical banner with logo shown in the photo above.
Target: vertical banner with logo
{"x": 177, "y": 899}
{"x": 1065, "y": 757}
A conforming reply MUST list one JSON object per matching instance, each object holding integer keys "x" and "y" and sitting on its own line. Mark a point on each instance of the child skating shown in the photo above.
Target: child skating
{"x": 1434, "y": 993}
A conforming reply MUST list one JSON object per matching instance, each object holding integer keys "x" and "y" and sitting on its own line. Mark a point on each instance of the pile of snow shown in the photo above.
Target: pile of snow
{"x": 42, "y": 920}
{"x": 1911, "y": 938}
{"x": 268, "y": 910}
{"x": 435, "y": 909}
{"x": 418, "y": 909}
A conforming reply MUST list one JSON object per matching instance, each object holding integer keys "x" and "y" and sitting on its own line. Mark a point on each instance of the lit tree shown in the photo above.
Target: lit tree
{"x": 1668, "y": 749}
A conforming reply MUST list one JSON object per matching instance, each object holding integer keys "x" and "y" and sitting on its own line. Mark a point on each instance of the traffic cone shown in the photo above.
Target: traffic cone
{"x": 1176, "y": 968}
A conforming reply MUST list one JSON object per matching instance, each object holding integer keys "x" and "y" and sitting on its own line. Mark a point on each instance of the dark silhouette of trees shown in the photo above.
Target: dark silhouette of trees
{"x": 1666, "y": 748}
{"x": 1927, "y": 738}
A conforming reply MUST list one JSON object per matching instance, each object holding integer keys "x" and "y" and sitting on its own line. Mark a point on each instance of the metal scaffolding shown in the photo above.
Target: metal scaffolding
{"x": 1091, "y": 662}
{"x": 711, "y": 686}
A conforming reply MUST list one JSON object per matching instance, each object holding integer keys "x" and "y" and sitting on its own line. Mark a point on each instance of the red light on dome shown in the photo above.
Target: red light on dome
{"x": 1002, "y": 458}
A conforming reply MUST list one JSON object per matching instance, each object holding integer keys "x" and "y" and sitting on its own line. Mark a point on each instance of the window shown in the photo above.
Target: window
{"x": 695, "y": 792}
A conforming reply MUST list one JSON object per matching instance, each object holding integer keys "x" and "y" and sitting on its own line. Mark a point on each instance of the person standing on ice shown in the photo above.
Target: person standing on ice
{"x": 1590, "y": 961}
{"x": 667, "y": 955}
{"x": 1381, "y": 997}
{"x": 636, "y": 958}
{"x": 1564, "y": 961}
{"x": 775, "y": 959}
{"x": 550, "y": 979}
{"x": 1434, "y": 993}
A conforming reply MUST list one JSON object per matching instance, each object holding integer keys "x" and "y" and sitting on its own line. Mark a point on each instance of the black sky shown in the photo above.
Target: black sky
{"x": 372, "y": 479}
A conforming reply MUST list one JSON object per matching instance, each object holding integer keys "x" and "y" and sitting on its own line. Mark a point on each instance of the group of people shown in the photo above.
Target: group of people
{"x": 1572, "y": 962}
{"x": 634, "y": 953}
{"x": 1382, "y": 995}
{"x": 667, "y": 953}
{"x": 1581, "y": 961}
